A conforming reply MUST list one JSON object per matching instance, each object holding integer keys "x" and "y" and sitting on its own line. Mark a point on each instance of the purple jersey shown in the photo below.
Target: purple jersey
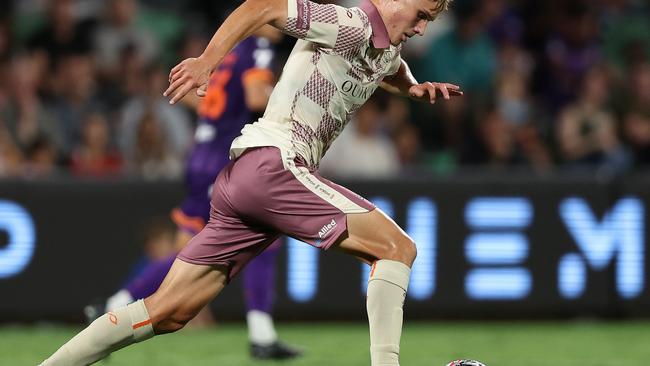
{"x": 222, "y": 115}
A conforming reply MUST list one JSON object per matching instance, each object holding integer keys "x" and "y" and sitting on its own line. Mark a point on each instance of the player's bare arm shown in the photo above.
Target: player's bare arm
{"x": 404, "y": 83}
{"x": 194, "y": 73}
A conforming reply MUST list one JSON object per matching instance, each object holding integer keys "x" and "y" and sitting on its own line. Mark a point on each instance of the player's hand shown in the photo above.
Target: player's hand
{"x": 191, "y": 73}
{"x": 427, "y": 91}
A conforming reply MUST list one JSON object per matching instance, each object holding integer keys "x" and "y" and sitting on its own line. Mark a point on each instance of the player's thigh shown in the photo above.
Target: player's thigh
{"x": 183, "y": 293}
{"x": 373, "y": 235}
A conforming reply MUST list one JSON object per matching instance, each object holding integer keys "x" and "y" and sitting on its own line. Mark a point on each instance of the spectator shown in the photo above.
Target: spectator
{"x": 193, "y": 43}
{"x": 637, "y": 133}
{"x": 513, "y": 100}
{"x": 42, "y": 159}
{"x": 636, "y": 125}
{"x": 406, "y": 138}
{"x": 587, "y": 130}
{"x": 625, "y": 26}
{"x": 94, "y": 156}
{"x": 62, "y": 34}
{"x": 496, "y": 139}
{"x": 446, "y": 128}
{"x": 117, "y": 31}
{"x": 362, "y": 151}
{"x": 25, "y": 116}
{"x": 502, "y": 22}
{"x": 508, "y": 136}
{"x": 5, "y": 38}
{"x": 11, "y": 158}
{"x": 151, "y": 158}
{"x": 522, "y": 61}
{"x": 570, "y": 53}
{"x": 74, "y": 100}
{"x": 131, "y": 84}
{"x": 398, "y": 112}
{"x": 462, "y": 47}
{"x": 516, "y": 107}
{"x": 500, "y": 145}
{"x": 173, "y": 122}
{"x": 534, "y": 149}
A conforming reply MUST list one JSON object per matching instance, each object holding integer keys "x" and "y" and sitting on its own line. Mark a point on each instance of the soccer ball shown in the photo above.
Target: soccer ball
{"x": 465, "y": 363}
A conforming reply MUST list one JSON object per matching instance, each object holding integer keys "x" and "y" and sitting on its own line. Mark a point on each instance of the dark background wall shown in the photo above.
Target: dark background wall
{"x": 494, "y": 247}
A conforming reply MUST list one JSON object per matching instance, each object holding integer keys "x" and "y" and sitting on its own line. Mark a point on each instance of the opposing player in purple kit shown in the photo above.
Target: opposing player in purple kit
{"x": 238, "y": 90}
{"x": 272, "y": 187}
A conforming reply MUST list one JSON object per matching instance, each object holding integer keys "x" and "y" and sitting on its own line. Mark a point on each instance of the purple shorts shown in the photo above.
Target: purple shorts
{"x": 255, "y": 199}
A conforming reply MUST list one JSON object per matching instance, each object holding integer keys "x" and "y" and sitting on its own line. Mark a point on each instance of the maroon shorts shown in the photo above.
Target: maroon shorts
{"x": 256, "y": 198}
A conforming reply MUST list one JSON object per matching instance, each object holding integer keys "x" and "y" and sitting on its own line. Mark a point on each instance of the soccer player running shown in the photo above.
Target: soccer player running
{"x": 271, "y": 187}
{"x": 238, "y": 90}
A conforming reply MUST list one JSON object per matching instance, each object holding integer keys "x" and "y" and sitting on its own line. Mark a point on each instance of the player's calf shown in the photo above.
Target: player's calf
{"x": 186, "y": 289}
{"x": 387, "y": 287}
{"x": 376, "y": 238}
{"x": 184, "y": 292}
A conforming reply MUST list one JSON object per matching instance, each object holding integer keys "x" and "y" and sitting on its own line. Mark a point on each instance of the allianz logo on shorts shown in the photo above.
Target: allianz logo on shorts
{"x": 326, "y": 229}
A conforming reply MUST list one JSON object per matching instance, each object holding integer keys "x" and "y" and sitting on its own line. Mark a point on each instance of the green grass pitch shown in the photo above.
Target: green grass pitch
{"x": 423, "y": 344}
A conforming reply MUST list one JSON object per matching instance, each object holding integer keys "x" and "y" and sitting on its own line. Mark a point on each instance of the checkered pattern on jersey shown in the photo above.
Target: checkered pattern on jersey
{"x": 323, "y": 13}
{"x": 320, "y": 91}
{"x": 291, "y": 28}
{"x": 349, "y": 39}
{"x": 335, "y": 31}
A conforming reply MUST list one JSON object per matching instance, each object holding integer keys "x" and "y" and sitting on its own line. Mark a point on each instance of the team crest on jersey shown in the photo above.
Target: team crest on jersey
{"x": 387, "y": 57}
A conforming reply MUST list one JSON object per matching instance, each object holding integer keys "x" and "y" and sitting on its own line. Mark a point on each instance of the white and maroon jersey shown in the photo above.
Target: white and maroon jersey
{"x": 340, "y": 58}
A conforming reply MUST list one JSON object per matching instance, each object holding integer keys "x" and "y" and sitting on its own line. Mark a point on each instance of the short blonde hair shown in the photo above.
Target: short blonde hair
{"x": 442, "y": 5}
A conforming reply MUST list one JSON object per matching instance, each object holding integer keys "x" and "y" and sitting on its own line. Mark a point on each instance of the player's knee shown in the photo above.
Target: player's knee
{"x": 173, "y": 321}
{"x": 168, "y": 316}
{"x": 180, "y": 318}
{"x": 402, "y": 249}
{"x": 409, "y": 251}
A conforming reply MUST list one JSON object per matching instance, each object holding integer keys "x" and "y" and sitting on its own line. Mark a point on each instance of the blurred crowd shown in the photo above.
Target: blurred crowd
{"x": 552, "y": 86}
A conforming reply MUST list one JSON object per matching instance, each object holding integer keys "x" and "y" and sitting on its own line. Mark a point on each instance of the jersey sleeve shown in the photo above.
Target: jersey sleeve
{"x": 328, "y": 25}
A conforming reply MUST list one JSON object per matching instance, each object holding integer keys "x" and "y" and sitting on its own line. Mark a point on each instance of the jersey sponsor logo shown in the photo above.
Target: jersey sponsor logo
{"x": 387, "y": 57}
{"x": 378, "y": 57}
{"x": 355, "y": 90}
{"x": 326, "y": 229}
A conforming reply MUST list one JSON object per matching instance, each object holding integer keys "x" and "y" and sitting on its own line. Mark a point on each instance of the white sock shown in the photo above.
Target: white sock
{"x": 386, "y": 293}
{"x": 119, "y": 299}
{"x": 260, "y": 328}
{"x": 110, "y": 332}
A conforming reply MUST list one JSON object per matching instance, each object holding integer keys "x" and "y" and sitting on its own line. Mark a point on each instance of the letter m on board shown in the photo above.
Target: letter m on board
{"x": 619, "y": 237}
